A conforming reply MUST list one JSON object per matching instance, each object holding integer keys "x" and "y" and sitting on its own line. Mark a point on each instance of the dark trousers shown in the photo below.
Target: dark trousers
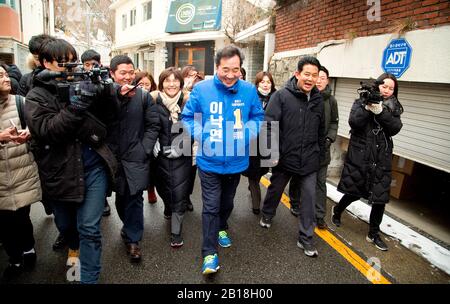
{"x": 321, "y": 192}
{"x": 192, "y": 179}
{"x": 307, "y": 185}
{"x": 376, "y": 214}
{"x": 17, "y": 233}
{"x": 218, "y": 192}
{"x": 130, "y": 209}
{"x": 255, "y": 192}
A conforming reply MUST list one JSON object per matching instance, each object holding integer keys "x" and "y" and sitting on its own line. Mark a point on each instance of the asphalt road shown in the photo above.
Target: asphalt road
{"x": 257, "y": 255}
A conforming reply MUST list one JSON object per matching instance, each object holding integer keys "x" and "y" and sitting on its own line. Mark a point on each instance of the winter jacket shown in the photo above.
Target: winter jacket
{"x": 331, "y": 121}
{"x": 367, "y": 167}
{"x": 254, "y": 170}
{"x": 19, "y": 178}
{"x": 14, "y": 75}
{"x": 26, "y": 82}
{"x": 57, "y": 140}
{"x": 222, "y": 150}
{"x": 172, "y": 174}
{"x": 301, "y": 128}
{"x": 135, "y": 145}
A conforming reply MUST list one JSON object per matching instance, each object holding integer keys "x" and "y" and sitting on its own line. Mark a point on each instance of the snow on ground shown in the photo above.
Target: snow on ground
{"x": 433, "y": 252}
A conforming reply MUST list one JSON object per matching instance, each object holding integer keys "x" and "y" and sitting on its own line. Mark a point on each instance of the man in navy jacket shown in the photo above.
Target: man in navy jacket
{"x": 223, "y": 115}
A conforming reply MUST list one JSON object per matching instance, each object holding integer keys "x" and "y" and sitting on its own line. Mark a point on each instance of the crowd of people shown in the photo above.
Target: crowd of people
{"x": 70, "y": 143}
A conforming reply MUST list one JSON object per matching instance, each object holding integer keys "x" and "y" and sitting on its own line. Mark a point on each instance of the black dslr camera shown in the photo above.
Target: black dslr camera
{"x": 369, "y": 93}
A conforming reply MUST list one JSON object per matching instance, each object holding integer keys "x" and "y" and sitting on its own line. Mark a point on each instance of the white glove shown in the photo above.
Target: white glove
{"x": 156, "y": 148}
{"x": 172, "y": 153}
{"x": 375, "y": 108}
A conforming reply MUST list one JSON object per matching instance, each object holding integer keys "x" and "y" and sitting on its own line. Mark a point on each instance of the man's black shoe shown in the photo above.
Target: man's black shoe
{"x": 60, "y": 243}
{"x": 12, "y": 272}
{"x": 377, "y": 241}
{"x": 134, "y": 251}
{"x": 295, "y": 210}
{"x": 321, "y": 223}
{"x": 29, "y": 261}
{"x": 189, "y": 205}
{"x": 335, "y": 218}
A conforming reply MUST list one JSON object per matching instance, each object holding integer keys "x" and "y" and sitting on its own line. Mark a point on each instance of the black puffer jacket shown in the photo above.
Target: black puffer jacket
{"x": 331, "y": 121}
{"x": 173, "y": 174}
{"x": 57, "y": 145}
{"x": 367, "y": 168}
{"x": 26, "y": 82}
{"x": 302, "y": 128}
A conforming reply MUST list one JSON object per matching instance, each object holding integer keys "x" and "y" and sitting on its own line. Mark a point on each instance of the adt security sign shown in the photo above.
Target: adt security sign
{"x": 397, "y": 57}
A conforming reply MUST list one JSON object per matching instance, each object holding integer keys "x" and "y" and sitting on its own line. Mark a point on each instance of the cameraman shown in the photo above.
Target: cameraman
{"x": 367, "y": 167}
{"x": 75, "y": 164}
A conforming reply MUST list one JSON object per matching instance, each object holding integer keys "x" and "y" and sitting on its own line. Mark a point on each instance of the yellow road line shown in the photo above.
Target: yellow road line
{"x": 362, "y": 266}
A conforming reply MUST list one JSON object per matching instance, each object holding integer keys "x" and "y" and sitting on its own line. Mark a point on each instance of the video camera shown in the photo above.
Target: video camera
{"x": 98, "y": 75}
{"x": 369, "y": 93}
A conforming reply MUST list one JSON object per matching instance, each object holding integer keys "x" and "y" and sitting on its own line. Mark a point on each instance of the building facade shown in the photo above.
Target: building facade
{"x": 351, "y": 39}
{"x": 157, "y": 34}
{"x": 20, "y": 21}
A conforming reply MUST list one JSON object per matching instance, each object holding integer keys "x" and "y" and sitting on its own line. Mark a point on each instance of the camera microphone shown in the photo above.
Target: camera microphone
{"x": 47, "y": 75}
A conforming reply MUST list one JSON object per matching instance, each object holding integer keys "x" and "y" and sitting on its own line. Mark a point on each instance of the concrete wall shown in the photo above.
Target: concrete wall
{"x": 32, "y": 19}
{"x": 10, "y": 23}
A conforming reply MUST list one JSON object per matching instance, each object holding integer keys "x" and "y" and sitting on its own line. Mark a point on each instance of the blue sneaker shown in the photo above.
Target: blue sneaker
{"x": 210, "y": 264}
{"x": 224, "y": 240}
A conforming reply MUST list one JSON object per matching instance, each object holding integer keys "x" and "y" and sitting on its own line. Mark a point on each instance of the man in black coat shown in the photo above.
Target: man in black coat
{"x": 133, "y": 152}
{"x": 14, "y": 75}
{"x": 26, "y": 82}
{"x": 76, "y": 165}
{"x": 300, "y": 112}
{"x": 331, "y": 126}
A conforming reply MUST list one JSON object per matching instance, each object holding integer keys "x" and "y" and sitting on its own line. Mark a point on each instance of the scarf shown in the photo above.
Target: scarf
{"x": 264, "y": 93}
{"x": 171, "y": 103}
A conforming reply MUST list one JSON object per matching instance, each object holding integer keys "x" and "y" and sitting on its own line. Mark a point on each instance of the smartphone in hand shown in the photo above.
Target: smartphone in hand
{"x": 14, "y": 126}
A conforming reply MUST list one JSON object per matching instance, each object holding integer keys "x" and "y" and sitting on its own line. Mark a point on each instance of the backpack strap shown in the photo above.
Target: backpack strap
{"x": 19, "y": 105}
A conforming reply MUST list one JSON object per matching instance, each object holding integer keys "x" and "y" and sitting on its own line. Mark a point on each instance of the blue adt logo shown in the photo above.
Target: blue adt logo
{"x": 396, "y": 57}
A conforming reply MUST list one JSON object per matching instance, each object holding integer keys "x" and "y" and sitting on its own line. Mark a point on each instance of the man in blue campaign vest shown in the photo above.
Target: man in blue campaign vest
{"x": 223, "y": 115}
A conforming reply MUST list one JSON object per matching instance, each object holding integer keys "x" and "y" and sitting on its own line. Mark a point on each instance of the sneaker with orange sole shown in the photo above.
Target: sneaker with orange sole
{"x": 73, "y": 257}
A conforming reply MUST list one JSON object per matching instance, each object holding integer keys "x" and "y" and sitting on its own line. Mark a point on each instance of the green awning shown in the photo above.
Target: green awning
{"x": 194, "y": 15}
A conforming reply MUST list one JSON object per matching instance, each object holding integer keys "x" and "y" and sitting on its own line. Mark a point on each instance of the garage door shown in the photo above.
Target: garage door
{"x": 425, "y": 136}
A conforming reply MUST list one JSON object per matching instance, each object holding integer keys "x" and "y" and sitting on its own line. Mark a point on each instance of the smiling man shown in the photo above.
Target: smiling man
{"x": 299, "y": 109}
{"x": 219, "y": 114}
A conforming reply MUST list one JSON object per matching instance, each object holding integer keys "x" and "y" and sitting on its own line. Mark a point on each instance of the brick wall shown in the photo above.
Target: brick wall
{"x": 306, "y": 23}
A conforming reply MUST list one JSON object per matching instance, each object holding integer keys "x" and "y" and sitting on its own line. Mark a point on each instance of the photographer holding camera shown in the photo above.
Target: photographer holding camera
{"x": 374, "y": 119}
{"x": 69, "y": 123}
